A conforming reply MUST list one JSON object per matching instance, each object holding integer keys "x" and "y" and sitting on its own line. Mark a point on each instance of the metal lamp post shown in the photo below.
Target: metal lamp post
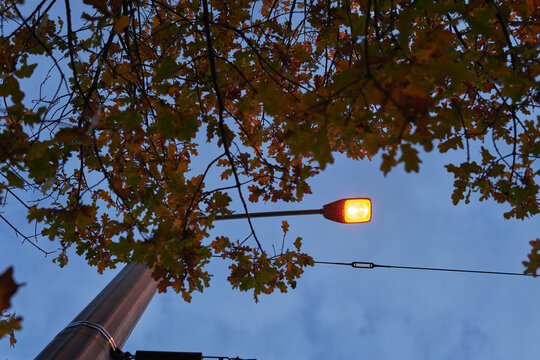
{"x": 105, "y": 324}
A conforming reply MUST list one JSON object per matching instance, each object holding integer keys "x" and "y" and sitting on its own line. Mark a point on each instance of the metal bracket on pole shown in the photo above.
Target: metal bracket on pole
{"x": 99, "y": 328}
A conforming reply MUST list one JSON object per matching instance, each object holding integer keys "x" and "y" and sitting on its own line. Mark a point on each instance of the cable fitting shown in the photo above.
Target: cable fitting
{"x": 362, "y": 265}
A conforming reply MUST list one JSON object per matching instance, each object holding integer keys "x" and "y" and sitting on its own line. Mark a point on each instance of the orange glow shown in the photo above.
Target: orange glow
{"x": 357, "y": 210}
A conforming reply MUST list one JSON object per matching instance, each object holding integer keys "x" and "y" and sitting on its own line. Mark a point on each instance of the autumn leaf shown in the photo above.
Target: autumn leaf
{"x": 116, "y": 6}
{"x": 409, "y": 156}
{"x": 8, "y": 287}
{"x": 298, "y": 243}
{"x": 166, "y": 68}
{"x": 120, "y": 23}
{"x": 14, "y": 179}
{"x": 285, "y": 226}
{"x": 128, "y": 119}
{"x": 99, "y": 5}
{"x": 25, "y": 71}
{"x": 533, "y": 262}
{"x": 8, "y": 322}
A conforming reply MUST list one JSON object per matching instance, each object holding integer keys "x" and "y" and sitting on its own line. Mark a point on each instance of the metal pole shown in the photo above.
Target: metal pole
{"x": 107, "y": 321}
{"x": 269, "y": 213}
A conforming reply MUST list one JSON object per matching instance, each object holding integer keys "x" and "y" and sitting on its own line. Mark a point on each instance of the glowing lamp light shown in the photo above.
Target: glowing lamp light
{"x": 348, "y": 211}
{"x": 357, "y": 210}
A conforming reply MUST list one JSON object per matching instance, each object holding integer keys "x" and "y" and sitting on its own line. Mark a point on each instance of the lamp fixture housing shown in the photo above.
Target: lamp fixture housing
{"x": 349, "y": 211}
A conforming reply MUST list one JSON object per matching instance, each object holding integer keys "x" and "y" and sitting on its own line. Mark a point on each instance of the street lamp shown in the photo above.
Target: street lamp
{"x": 100, "y": 330}
{"x": 346, "y": 211}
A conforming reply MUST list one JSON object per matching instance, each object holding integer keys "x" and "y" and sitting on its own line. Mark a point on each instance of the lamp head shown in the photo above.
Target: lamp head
{"x": 348, "y": 211}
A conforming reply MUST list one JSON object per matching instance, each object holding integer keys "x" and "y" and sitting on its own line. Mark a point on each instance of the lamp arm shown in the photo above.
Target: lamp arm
{"x": 269, "y": 214}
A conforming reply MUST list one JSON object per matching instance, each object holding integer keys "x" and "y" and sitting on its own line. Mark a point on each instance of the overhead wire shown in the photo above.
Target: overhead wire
{"x": 371, "y": 265}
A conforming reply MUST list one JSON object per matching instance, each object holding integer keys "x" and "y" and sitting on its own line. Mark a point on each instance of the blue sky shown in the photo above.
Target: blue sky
{"x": 335, "y": 312}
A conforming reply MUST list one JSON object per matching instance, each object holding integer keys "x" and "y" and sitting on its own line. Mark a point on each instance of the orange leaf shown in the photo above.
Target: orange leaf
{"x": 285, "y": 226}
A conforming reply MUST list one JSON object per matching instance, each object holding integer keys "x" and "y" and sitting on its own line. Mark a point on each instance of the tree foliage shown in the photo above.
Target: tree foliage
{"x": 108, "y": 106}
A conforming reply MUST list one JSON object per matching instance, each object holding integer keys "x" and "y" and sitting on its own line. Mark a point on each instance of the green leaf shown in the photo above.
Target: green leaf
{"x": 166, "y": 69}
{"x": 128, "y": 119}
{"x": 25, "y": 71}
{"x": 41, "y": 161}
{"x": 47, "y": 185}
{"x": 10, "y": 86}
{"x": 276, "y": 102}
{"x": 165, "y": 123}
{"x": 405, "y": 26}
{"x": 14, "y": 179}
{"x": 322, "y": 151}
{"x": 409, "y": 156}
{"x": 188, "y": 127}
{"x": 388, "y": 162}
{"x": 480, "y": 23}
{"x": 486, "y": 156}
